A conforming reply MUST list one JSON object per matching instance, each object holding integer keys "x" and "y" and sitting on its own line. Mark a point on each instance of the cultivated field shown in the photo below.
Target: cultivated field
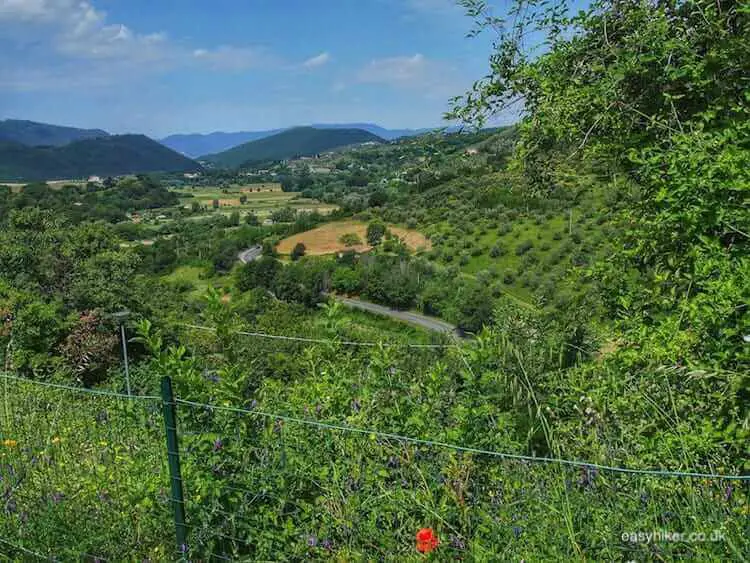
{"x": 259, "y": 199}
{"x": 326, "y": 238}
{"x": 54, "y": 184}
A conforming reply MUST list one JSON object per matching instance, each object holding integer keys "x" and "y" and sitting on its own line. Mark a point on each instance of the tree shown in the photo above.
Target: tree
{"x": 243, "y": 199}
{"x": 350, "y": 239}
{"x": 215, "y": 204}
{"x": 298, "y": 251}
{"x": 284, "y": 215}
{"x": 260, "y": 273}
{"x": 476, "y": 309}
{"x": 378, "y": 198}
{"x": 252, "y": 219}
{"x": 375, "y": 233}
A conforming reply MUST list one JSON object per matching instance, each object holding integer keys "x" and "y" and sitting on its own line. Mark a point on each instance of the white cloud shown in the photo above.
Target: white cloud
{"x": 74, "y": 34}
{"x": 408, "y": 72}
{"x": 435, "y": 79}
{"x": 234, "y": 59}
{"x": 25, "y": 10}
{"x": 76, "y": 30}
{"x": 317, "y": 60}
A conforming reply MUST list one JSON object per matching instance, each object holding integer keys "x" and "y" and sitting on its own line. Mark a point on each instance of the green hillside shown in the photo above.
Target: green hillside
{"x": 108, "y": 156}
{"x": 301, "y": 141}
{"x": 36, "y": 134}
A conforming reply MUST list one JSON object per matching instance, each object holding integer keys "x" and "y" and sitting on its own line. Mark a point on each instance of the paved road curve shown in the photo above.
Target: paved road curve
{"x": 430, "y": 323}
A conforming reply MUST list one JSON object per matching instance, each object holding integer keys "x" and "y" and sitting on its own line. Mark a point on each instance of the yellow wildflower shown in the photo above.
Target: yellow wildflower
{"x": 9, "y": 443}
{"x": 56, "y": 440}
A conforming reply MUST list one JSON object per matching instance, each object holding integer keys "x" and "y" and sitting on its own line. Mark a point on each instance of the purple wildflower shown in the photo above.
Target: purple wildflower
{"x": 392, "y": 462}
{"x": 312, "y": 541}
{"x": 588, "y": 474}
{"x": 356, "y": 405}
{"x": 253, "y": 404}
{"x": 57, "y": 497}
{"x": 326, "y": 544}
{"x": 517, "y": 531}
{"x": 457, "y": 543}
{"x": 728, "y": 493}
{"x": 218, "y": 444}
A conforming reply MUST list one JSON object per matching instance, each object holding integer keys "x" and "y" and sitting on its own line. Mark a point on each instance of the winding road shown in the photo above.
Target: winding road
{"x": 429, "y": 323}
{"x": 252, "y": 253}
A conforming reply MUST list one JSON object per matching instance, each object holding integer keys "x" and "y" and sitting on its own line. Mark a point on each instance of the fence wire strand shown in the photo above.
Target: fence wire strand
{"x": 468, "y": 449}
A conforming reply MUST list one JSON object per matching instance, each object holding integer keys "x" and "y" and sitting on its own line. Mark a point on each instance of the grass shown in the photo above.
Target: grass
{"x": 326, "y": 238}
{"x": 193, "y": 279}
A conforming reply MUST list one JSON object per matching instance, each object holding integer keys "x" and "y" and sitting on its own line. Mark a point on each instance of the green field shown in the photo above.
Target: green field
{"x": 261, "y": 203}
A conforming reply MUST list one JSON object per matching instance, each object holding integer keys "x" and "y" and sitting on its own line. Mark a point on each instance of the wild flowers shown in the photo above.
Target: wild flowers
{"x": 427, "y": 540}
{"x": 8, "y": 443}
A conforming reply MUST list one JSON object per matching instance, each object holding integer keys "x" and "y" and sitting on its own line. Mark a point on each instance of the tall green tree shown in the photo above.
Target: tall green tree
{"x": 651, "y": 98}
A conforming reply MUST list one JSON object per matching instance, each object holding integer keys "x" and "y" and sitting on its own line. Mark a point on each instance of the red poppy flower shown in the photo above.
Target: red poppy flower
{"x": 427, "y": 541}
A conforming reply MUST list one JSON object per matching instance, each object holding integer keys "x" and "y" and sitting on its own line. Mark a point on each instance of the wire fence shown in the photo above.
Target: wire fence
{"x": 86, "y": 475}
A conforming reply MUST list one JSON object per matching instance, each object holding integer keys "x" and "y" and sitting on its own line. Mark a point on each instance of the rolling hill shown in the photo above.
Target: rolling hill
{"x": 195, "y": 145}
{"x": 106, "y": 156}
{"x": 300, "y": 141}
{"x": 35, "y": 134}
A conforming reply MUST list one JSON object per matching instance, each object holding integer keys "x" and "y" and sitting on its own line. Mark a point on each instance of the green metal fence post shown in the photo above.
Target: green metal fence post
{"x": 173, "y": 455}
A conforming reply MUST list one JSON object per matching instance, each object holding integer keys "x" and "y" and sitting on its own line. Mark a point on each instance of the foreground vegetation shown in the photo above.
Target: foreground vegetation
{"x": 598, "y": 252}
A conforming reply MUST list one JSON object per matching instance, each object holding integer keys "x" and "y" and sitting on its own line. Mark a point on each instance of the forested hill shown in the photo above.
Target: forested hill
{"x": 107, "y": 156}
{"x": 36, "y": 134}
{"x": 301, "y": 141}
{"x": 196, "y": 144}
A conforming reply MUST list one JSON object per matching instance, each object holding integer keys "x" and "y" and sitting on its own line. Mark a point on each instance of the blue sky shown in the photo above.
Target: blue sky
{"x": 169, "y": 66}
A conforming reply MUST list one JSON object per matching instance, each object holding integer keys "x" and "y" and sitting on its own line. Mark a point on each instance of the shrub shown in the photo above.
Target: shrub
{"x": 298, "y": 251}
{"x": 524, "y": 247}
{"x": 346, "y": 280}
{"x": 350, "y": 239}
{"x": 375, "y": 232}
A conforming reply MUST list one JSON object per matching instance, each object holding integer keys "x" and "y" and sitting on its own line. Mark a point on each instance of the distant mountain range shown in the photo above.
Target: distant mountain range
{"x": 36, "y": 134}
{"x": 104, "y": 156}
{"x": 32, "y": 151}
{"x": 195, "y": 145}
{"x": 292, "y": 143}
